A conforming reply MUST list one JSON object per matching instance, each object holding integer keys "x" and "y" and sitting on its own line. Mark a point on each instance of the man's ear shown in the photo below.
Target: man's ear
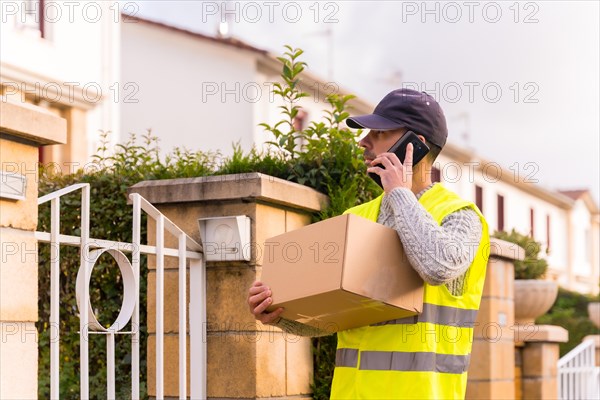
{"x": 422, "y": 138}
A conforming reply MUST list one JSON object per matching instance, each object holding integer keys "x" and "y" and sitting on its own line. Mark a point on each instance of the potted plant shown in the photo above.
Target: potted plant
{"x": 533, "y": 295}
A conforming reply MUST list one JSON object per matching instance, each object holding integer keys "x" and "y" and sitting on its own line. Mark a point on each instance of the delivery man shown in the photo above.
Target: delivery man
{"x": 446, "y": 241}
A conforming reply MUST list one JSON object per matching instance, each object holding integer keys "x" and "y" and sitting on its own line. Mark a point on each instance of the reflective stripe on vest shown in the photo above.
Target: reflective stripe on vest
{"x": 421, "y": 357}
{"x": 346, "y": 358}
{"x": 402, "y": 361}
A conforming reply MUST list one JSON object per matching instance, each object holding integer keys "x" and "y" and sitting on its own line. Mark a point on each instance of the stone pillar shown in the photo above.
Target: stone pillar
{"x": 492, "y": 371}
{"x": 538, "y": 347}
{"x": 245, "y": 358}
{"x": 23, "y": 128}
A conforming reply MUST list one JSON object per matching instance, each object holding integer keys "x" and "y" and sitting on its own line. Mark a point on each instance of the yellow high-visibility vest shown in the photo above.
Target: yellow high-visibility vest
{"x": 421, "y": 357}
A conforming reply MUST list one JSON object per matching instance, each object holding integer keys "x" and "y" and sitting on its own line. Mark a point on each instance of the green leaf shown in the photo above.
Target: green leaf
{"x": 287, "y": 72}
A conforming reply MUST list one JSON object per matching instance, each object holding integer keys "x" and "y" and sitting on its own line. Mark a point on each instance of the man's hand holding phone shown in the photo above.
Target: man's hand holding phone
{"x": 394, "y": 168}
{"x": 396, "y": 173}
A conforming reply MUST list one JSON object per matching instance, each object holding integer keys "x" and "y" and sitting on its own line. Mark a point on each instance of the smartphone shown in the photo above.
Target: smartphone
{"x": 420, "y": 150}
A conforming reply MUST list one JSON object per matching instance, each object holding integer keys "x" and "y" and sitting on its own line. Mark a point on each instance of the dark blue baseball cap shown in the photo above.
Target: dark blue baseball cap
{"x": 406, "y": 108}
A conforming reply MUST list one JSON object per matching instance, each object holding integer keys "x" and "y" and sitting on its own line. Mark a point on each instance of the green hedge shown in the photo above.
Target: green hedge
{"x": 570, "y": 312}
{"x": 533, "y": 266}
{"x": 330, "y": 161}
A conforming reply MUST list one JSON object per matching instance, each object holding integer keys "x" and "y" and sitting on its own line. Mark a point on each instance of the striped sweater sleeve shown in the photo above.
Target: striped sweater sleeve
{"x": 440, "y": 254}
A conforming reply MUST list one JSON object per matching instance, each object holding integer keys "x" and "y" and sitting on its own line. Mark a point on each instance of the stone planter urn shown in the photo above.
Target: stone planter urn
{"x": 594, "y": 313}
{"x": 533, "y": 298}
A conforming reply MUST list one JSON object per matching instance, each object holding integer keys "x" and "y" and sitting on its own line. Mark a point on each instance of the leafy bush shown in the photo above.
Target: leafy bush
{"x": 532, "y": 267}
{"x": 111, "y": 218}
{"x": 322, "y": 156}
{"x": 570, "y": 312}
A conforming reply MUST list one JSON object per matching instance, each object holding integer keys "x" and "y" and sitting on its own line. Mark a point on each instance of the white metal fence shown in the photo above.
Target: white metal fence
{"x": 578, "y": 375}
{"x": 90, "y": 251}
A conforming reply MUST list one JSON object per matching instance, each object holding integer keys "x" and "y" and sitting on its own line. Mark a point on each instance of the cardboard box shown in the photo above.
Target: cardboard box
{"x": 341, "y": 273}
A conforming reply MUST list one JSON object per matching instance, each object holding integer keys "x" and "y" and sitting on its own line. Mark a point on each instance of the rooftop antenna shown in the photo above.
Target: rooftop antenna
{"x": 328, "y": 32}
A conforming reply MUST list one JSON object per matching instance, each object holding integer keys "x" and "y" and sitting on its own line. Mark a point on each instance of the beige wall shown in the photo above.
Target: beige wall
{"x": 22, "y": 130}
{"x": 73, "y": 155}
{"x": 18, "y": 278}
{"x": 66, "y": 157}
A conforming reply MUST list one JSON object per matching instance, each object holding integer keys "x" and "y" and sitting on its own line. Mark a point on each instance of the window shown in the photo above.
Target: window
{"x": 531, "y": 223}
{"x": 479, "y": 197}
{"x": 436, "y": 175}
{"x": 500, "y": 200}
{"x": 547, "y": 233}
{"x": 30, "y": 16}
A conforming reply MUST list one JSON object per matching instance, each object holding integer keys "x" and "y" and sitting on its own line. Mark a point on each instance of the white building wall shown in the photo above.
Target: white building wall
{"x": 263, "y": 111}
{"x": 192, "y": 95}
{"x": 582, "y": 246}
{"x": 558, "y": 257}
{"x": 595, "y": 281}
{"x": 217, "y": 94}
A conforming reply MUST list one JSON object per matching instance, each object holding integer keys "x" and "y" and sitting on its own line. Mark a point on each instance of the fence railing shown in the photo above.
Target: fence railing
{"x": 90, "y": 250}
{"x": 578, "y": 375}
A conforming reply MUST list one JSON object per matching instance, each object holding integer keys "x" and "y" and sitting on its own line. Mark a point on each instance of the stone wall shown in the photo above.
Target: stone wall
{"x": 491, "y": 373}
{"x": 246, "y": 359}
{"x": 537, "y": 353}
{"x": 23, "y": 129}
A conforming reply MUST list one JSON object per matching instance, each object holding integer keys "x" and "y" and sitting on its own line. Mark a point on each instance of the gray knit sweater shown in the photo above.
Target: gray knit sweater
{"x": 441, "y": 254}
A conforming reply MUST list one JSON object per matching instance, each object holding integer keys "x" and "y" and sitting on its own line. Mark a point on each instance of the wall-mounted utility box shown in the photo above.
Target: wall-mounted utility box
{"x": 12, "y": 186}
{"x": 226, "y": 238}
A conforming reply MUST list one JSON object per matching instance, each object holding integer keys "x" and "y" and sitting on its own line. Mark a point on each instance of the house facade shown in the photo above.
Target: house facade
{"x": 63, "y": 56}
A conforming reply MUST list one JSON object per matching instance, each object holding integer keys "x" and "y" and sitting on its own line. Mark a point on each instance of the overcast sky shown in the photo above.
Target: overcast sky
{"x": 518, "y": 81}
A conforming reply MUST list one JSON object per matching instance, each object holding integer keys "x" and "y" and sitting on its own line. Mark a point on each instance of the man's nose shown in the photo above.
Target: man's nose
{"x": 366, "y": 141}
